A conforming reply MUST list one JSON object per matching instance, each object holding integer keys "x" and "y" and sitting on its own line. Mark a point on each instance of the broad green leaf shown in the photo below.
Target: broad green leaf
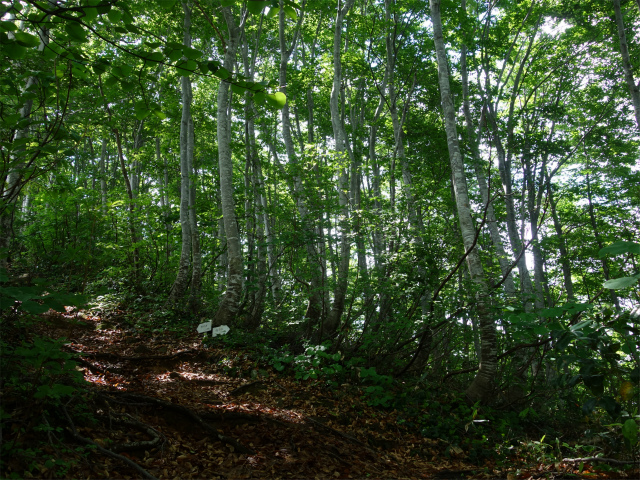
{"x": 552, "y": 312}
{"x": 222, "y": 73}
{"x": 26, "y": 39}
{"x": 75, "y": 31}
{"x": 290, "y": 12}
{"x": 620, "y": 247}
{"x": 14, "y": 50}
{"x": 540, "y": 330}
{"x": 620, "y": 283}
{"x": 140, "y": 110}
{"x": 111, "y": 80}
{"x": 259, "y": 98}
{"x": 131, "y": 28}
{"x": 273, "y": 11}
{"x": 34, "y": 308}
{"x": 227, "y": 3}
{"x": 630, "y": 431}
{"x": 100, "y": 66}
{"x": 90, "y": 14}
{"x": 12, "y": 120}
{"x": 8, "y": 26}
{"x": 256, "y": 6}
{"x": 213, "y": 66}
{"x": 166, "y": 5}
{"x": 191, "y": 53}
{"x": 174, "y": 55}
{"x": 122, "y": 71}
{"x": 186, "y": 68}
{"x": 159, "y": 113}
{"x": 128, "y": 86}
{"x": 154, "y": 57}
{"x": 237, "y": 89}
{"x": 276, "y": 100}
{"x": 114, "y": 15}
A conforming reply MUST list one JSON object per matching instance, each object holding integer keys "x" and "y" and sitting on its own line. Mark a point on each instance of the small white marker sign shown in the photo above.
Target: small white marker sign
{"x": 221, "y": 330}
{"x": 204, "y": 327}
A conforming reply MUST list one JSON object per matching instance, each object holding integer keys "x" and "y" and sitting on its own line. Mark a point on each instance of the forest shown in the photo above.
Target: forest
{"x": 328, "y": 239}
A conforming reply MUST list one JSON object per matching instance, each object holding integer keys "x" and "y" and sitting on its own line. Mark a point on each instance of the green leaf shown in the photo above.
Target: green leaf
{"x": 290, "y": 12}
{"x": 256, "y": 6}
{"x": 90, "y": 14}
{"x": 276, "y": 100}
{"x": 75, "y": 31}
{"x": 114, "y": 15}
{"x": 186, "y": 68}
{"x": 273, "y": 11}
{"x": 27, "y": 40}
{"x": 540, "y": 330}
{"x": 191, "y": 53}
{"x": 159, "y": 113}
{"x": 237, "y": 89}
{"x": 620, "y": 247}
{"x": 227, "y": 3}
{"x": 630, "y": 431}
{"x": 619, "y": 283}
{"x": 222, "y": 73}
{"x": 14, "y": 51}
{"x": 8, "y": 26}
{"x": 259, "y": 98}
{"x": 155, "y": 57}
{"x": 174, "y": 55}
{"x": 140, "y": 109}
{"x": 34, "y": 308}
{"x": 122, "y": 71}
{"x": 166, "y": 5}
{"x": 213, "y": 66}
{"x": 128, "y": 86}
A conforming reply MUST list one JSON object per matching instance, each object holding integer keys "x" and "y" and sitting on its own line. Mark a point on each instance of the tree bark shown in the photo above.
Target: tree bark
{"x": 181, "y": 282}
{"x": 230, "y": 304}
{"x": 343, "y": 152}
{"x": 634, "y": 90}
{"x": 482, "y": 385}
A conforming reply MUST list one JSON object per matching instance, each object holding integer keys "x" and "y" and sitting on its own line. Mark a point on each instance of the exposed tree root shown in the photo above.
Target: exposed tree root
{"x": 105, "y": 451}
{"x": 238, "y": 447}
{"x": 603, "y": 460}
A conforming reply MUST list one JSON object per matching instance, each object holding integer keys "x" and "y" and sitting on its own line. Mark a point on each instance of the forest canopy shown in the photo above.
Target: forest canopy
{"x": 445, "y": 193}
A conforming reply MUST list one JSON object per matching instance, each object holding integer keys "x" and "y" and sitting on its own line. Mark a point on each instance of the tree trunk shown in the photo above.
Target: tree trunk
{"x": 181, "y": 282}
{"x": 634, "y": 90}
{"x": 482, "y": 385}
{"x": 230, "y": 304}
{"x": 343, "y": 152}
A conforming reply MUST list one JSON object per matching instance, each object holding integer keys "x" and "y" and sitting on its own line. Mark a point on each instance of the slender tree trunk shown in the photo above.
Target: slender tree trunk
{"x": 482, "y": 385}
{"x": 343, "y": 152}
{"x": 562, "y": 244}
{"x": 492, "y": 223}
{"x": 196, "y": 255}
{"x": 181, "y": 282}
{"x": 230, "y": 304}
{"x": 634, "y": 90}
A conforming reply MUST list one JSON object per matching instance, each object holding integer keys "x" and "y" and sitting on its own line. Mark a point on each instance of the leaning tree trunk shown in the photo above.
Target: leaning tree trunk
{"x": 482, "y": 385}
{"x": 230, "y": 303}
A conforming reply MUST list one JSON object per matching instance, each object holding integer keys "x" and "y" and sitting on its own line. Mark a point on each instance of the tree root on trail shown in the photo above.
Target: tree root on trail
{"x": 340, "y": 434}
{"x": 603, "y": 460}
{"x": 104, "y": 451}
{"x": 238, "y": 447}
{"x": 123, "y": 358}
{"x": 142, "y": 445}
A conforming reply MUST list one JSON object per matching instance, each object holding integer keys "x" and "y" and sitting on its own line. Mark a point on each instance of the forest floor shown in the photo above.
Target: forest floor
{"x": 176, "y": 409}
